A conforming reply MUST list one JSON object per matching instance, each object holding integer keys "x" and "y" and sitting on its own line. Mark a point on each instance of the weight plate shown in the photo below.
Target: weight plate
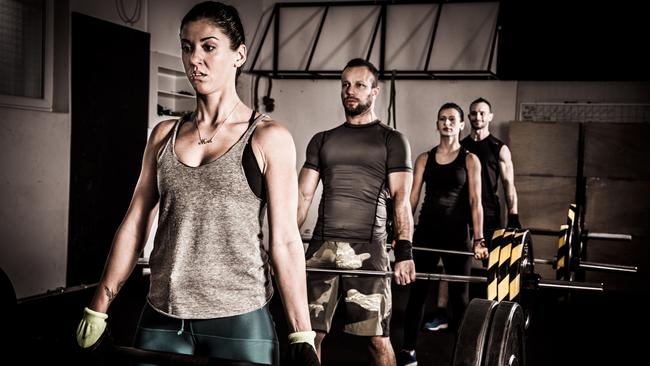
{"x": 473, "y": 333}
{"x": 506, "y": 343}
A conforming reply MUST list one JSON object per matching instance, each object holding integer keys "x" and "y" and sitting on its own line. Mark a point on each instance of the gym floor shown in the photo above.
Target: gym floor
{"x": 586, "y": 329}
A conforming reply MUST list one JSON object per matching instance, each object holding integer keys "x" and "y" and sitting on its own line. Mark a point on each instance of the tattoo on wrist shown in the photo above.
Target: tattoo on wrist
{"x": 111, "y": 294}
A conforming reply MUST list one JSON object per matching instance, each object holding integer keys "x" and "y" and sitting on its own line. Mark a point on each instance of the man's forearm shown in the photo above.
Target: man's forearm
{"x": 511, "y": 199}
{"x": 303, "y": 209}
{"x": 403, "y": 220}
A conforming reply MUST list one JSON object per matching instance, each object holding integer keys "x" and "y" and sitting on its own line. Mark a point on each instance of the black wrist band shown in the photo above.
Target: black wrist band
{"x": 480, "y": 242}
{"x": 403, "y": 250}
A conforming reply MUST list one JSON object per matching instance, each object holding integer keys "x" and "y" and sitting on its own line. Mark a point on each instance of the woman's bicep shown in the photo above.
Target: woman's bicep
{"x": 279, "y": 156}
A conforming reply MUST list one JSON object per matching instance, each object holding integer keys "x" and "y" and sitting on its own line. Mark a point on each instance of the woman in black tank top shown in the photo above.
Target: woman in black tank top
{"x": 452, "y": 198}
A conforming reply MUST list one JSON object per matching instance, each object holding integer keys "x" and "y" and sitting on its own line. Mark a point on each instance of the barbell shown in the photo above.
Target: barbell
{"x": 491, "y": 331}
{"x": 572, "y": 239}
{"x": 510, "y": 271}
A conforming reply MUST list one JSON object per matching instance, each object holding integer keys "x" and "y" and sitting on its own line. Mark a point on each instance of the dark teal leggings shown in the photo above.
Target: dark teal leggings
{"x": 248, "y": 337}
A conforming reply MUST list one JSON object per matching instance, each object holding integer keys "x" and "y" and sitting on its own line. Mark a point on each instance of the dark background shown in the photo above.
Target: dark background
{"x": 573, "y": 40}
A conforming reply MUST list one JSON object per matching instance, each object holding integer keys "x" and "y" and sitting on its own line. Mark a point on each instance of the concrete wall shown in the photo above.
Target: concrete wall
{"x": 35, "y": 174}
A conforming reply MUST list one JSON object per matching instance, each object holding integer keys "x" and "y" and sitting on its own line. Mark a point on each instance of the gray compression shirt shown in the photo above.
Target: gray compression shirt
{"x": 354, "y": 162}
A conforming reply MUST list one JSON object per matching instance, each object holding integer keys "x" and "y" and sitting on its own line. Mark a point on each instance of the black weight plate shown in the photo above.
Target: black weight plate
{"x": 506, "y": 343}
{"x": 528, "y": 277}
{"x": 473, "y": 333}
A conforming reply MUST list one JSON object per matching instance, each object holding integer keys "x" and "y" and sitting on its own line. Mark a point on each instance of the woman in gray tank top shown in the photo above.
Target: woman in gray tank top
{"x": 210, "y": 175}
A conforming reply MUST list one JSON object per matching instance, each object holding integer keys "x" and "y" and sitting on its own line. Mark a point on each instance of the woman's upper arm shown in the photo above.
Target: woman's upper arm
{"x": 145, "y": 196}
{"x": 418, "y": 179}
{"x": 275, "y": 150}
{"x": 474, "y": 174}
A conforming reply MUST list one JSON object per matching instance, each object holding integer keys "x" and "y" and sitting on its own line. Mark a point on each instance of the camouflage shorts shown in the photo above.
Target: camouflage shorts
{"x": 367, "y": 299}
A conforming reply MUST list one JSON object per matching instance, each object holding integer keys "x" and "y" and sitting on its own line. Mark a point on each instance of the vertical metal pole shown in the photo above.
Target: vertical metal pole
{"x": 382, "y": 51}
{"x": 581, "y": 201}
{"x": 276, "y": 40}
{"x": 580, "y": 178}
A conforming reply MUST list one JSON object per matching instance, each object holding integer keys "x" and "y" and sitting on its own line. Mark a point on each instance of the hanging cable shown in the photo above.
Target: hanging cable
{"x": 269, "y": 103}
{"x": 121, "y": 11}
{"x": 256, "y": 103}
{"x": 392, "y": 112}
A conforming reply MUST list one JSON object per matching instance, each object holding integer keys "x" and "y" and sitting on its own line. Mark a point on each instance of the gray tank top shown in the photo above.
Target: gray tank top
{"x": 208, "y": 259}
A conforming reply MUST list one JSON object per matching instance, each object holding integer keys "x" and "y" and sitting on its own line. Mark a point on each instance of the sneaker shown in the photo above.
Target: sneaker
{"x": 439, "y": 322}
{"x": 406, "y": 358}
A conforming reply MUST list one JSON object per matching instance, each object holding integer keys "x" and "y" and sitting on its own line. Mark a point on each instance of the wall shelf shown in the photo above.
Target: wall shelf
{"x": 167, "y": 78}
{"x": 174, "y": 94}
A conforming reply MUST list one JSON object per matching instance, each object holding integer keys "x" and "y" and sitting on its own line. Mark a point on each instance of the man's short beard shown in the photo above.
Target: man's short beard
{"x": 361, "y": 108}
{"x": 476, "y": 127}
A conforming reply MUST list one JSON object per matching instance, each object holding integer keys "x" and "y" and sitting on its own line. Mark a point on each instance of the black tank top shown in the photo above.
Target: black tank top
{"x": 252, "y": 170}
{"x": 446, "y": 198}
{"x": 487, "y": 151}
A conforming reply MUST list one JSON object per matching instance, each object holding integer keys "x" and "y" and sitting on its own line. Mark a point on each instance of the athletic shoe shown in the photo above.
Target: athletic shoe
{"x": 406, "y": 358}
{"x": 439, "y": 322}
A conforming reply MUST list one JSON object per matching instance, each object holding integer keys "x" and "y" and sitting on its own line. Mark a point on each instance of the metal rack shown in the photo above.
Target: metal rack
{"x": 380, "y": 29}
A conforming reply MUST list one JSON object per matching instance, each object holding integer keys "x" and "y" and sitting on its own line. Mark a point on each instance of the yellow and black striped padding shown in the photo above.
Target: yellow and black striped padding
{"x": 503, "y": 286}
{"x": 521, "y": 239}
{"x": 493, "y": 265}
{"x": 562, "y": 257}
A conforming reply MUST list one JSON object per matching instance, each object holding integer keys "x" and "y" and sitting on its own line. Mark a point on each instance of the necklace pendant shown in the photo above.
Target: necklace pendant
{"x": 204, "y": 141}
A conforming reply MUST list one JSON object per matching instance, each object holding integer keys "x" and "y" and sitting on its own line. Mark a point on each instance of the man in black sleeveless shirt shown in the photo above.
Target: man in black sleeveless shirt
{"x": 496, "y": 163}
{"x": 362, "y": 164}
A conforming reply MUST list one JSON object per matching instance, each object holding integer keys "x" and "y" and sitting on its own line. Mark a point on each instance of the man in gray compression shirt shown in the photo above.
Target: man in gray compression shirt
{"x": 362, "y": 164}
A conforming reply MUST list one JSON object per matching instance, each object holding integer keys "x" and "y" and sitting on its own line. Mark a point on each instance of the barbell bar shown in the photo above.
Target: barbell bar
{"x": 557, "y": 284}
{"x": 583, "y": 264}
{"x": 571, "y": 244}
{"x": 585, "y": 234}
{"x": 596, "y": 266}
{"x": 418, "y": 275}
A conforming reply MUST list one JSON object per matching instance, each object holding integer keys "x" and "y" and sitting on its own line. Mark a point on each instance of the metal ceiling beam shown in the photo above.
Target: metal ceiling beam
{"x": 380, "y": 26}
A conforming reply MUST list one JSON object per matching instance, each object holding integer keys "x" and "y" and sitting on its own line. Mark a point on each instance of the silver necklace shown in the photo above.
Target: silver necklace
{"x": 203, "y": 141}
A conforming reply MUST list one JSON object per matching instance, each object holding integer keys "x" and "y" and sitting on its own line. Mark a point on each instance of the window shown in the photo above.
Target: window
{"x": 25, "y": 46}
